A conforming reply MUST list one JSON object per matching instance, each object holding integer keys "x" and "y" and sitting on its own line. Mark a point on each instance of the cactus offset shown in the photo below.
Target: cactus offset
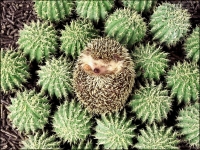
{"x": 14, "y": 70}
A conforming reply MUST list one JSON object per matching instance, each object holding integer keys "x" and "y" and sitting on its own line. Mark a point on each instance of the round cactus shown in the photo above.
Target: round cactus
{"x": 150, "y": 61}
{"x": 71, "y": 122}
{"x": 55, "y": 77}
{"x": 14, "y": 70}
{"x": 139, "y": 5}
{"x": 151, "y": 103}
{"x": 183, "y": 79}
{"x": 155, "y": 137}
{"x": 53, "y": 10}
{"x": 115, "y": 131}
{"x": 75, "y": 37}
{"x": 169, "y": 23}
{"x": 126, "y": 26}
{"x": 188, "y": 121}
{"x": 38, "y": 40}
{"x": 93, "y": 9}
{"x": 29, "y": 111}
{"x": 192, "y": 45}
{"x": 40, "y": 141}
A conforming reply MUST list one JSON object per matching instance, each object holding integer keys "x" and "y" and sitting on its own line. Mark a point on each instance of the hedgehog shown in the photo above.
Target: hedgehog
{"x": 103, "y": 76}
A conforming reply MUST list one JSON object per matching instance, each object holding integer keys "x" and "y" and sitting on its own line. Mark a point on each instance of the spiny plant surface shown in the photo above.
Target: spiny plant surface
{"x": 115, "y": 131}
{"x": 126, "y": 26}
{"x": 72, "y": 123}
{"x": 55, "y": 77}
{"x": 38, "y": 40}
{"x": 188, "y": 121}
{"x": 94, "y": 10}
{"x": 169, "y": 23}
{"x": 150, "y": 60}
{"x": 53, "y": 10}
{"x": 29, "y": 111}
{"x": 155, "y": 137}
{"x": 76, "y": 35}
{"x": 183, "y": 79}
{"x": 40, "y": 141}
{"x": 83, "y": 145}
{"x": 14, "y": 70}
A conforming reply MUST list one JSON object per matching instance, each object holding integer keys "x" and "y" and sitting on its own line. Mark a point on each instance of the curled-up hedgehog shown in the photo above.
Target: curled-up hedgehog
{"x": 103, "y": 76}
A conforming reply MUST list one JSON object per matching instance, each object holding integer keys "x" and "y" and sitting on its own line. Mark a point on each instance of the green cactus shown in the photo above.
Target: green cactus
{"x": 53, "y": 10}
{"x": 150, "y": 61}
{"x": 188, "y": 121}
{"x": 183, "y": 79}
{"x": 75, "y": 37}
{"x": 126, "y": 26}
{"x": 38, "y": 40}
{"x": 14, "y": 70}
{"x": 29, "y": 111}
{"x": 40, "y": 141}
{"x": 94, "y": 10}
{"x": 192, "y": 45}
{"x": 114, "y": 131}
{"x": 155, "y": 137}
{"x": 169, "y": 23}
{"x": 71, "y": 122}
{"x": 83, "y": 145}
{"x": 55, "y": 77}
{"x": 151, "y": 103}
{"x": 139, "y": 5}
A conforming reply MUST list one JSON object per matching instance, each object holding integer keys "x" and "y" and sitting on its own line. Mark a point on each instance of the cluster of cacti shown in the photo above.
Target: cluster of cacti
{"x": 169, "y": 23}
{"x": 192, "y": 45}
{"x": 38, "y": 40}
{"x": 14, "y": 70}
{"x": 40, "y": 141}
{"x": 151, "y": 103}
{"x": 53, "y": 10}
{"x": 188, "y": 121}
{"x": 72, "y": 123}
{"x": 126, "y": 26}
{"x": 140, "y": 5}
{"x": 150, "y": 60}
{"x": 55, "y": 77}
{"x": 155, "y": 137}
{"x": 94, "y": 10}
{"x": 183, "y": 79}
{"x": 115, "y": 131}
{"x": 29, "y": 111}
{"x": 76, "y": 35}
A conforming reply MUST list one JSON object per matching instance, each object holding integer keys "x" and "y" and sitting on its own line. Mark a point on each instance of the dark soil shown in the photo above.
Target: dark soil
{"x": 16, "y": 13}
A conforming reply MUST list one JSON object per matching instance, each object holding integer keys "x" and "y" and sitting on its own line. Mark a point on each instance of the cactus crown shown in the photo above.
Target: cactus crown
{"x": 14, "y": 70}
{"x": 55, "y": 77}
{"x": 38, "y": 40}
{"x": 29, "y": 111}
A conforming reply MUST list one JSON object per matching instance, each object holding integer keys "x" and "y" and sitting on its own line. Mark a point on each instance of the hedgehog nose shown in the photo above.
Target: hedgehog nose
{"x": 96, "y": 70}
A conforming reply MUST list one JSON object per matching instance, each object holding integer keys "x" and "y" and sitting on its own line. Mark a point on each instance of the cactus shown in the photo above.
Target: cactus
{"x": 55, "y": 77}
{"x": 71, "y": 122}
{"x": 183, "y": 79}
{"x": 192, "y": 45}
{"x": 83, "y": 145}
{"x": 40, "y": 141}
{"x": 14, "y": 70}
{"x": 151, "y": 103}
{"x": 94, "y": 10}
{"x": 75, "y": 37}
{"x": 155, "y": 137}
{"x": 188, "y": 121}
{"x": 139, "y": 5}
{"x": 29, "y": 111}
{"x": 126, "y": 26}
{"x": 53, "y": 10}
{"x": 169, "y": 23}
{"x": 150, "y": 61}
{"x": 114, "y": 131}
{"x": 38, "y": 40}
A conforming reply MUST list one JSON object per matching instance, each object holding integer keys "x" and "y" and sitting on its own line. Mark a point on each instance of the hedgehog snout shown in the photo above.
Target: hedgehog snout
{"x": 96, "y": 70}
